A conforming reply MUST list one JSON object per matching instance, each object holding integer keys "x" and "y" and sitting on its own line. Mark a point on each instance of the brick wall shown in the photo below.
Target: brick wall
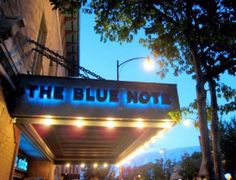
{"x": 7, "y": 141}
{"x": 32, "y": 12}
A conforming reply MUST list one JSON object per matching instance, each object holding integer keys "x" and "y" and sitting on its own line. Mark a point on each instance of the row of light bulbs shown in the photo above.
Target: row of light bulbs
{"x": 139, "y": 123}
{"x": 94, "y": 165}
{"x": 141, "y": 149}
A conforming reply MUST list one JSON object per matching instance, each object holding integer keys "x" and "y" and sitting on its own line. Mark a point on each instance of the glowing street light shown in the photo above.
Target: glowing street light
{"x": 187, "y": 122}
{"x": 148, "y": 64}
{"x": 162, "y": 151}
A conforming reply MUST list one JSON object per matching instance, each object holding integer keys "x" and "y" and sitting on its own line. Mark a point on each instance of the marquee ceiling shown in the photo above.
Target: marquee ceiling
{"x": 71, "y": 144}
{"x": 90, "y": 144}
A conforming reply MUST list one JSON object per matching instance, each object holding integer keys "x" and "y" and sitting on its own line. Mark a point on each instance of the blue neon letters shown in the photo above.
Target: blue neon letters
{"x": 21, "y": 163}
{"x": 99, "y": 95}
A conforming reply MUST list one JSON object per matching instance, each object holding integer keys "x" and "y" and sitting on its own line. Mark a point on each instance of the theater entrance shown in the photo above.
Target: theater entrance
{"x": 89, "y": 122}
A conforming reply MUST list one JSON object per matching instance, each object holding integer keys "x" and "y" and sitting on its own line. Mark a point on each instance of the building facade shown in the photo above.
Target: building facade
{"x": 23, "y": 24}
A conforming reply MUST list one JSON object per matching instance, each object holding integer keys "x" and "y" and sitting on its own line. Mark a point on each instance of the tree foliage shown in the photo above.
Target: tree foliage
{"x": 171, "y": 27}
{"x": 67, "y": 6}
{"x": 173, "y": 30}
{"x": 190, "y": 165}
{"x": 160, "y": 170}
{"x": 140, "y": 172}
{"x": 225, "y": 93}
{"x": 175, "y": 116}
{"x": 163, "y": 169}
{"x": 229, "y": 94}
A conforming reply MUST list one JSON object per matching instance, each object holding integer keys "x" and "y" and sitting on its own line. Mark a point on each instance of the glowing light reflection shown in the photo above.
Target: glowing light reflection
{"x": 47, "y": 121}
{"x": 95, "y": 165}
{"x": 82, "y": 165}
{"x": 110, "y": 124}
{"x": 187, "y": 122}
{"x": 148, "y": 64}
{"x": 68, "y": 165}
{"x": 79, "y": 123}
{"x": 105, "y": 165}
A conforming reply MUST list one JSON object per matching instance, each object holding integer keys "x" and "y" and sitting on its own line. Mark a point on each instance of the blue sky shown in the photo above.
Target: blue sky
{"x": 101, "y": 58}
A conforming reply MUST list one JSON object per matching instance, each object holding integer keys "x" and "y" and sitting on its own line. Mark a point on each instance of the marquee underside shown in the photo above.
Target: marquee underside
{"x": 89, "y": 144}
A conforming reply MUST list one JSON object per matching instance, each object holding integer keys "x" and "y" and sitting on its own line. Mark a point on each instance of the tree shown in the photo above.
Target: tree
{"x": 145, "y": 172}
{"x": 228, "y": 94}
{"x": 140, "y": 172}
{"x": 217, "y": 90}
{"x": 228, "y": 144}
{"x": 190, "y": 165}
{"x": 163, "y": 169}
{"x": 67, "y": 6}
{"x": 159, "y": 170}
{"x": 196, "y": 37}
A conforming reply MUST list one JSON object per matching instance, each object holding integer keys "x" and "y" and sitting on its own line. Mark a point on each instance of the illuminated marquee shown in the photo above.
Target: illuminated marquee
{"x": 71, "y": 97}
{"x": 97, "y": 95}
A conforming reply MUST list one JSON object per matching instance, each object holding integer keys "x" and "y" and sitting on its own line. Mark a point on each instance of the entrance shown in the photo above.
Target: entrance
{"x": 89, "y": 122}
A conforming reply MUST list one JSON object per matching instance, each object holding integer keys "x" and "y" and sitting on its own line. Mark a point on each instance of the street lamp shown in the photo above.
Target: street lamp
{"x": 163, "y": 151}
{"x": 187, "y": 122}
{"x": 148, "y": 64}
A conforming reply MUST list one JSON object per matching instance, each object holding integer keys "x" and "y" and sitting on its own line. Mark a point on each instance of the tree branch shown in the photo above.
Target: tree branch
{"x": 168, "y": 18}
{"x": 222, "y": 68}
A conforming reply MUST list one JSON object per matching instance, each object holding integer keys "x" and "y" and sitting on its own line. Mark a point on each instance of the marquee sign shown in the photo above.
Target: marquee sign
{"x": 72, "y": 97}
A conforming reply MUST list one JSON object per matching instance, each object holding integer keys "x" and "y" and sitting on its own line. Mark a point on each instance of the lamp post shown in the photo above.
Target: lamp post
{"x": 149, "y": 64}
{"x": 163, "y": 151}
